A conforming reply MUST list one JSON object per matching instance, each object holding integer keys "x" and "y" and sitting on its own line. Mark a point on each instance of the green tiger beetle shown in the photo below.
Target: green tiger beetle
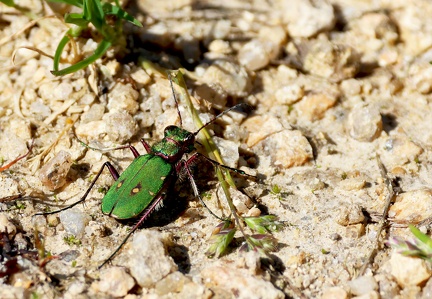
{"x": 141, "y": 188}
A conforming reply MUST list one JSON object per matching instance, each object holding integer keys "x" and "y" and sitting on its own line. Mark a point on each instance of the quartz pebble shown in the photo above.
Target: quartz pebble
{"x": 120, "y": 126}
{"x": 400, "y": 150}
{"x": 261, "y": 126}
{"x": 123, "y": 98}
{"x": 289, "y": 94}
{"x": 409, "y": 271}
{"x": 7, "y": 227}
{"x": 314, "y": 106}
{"x": 114, "y": 281}
{"x": 147, "y": 258}
{"x": 420, "y": 76}
{"x": 414, "y": 30}
{"x": 412, "y": 206}
{"x": 238, "y": 282}
{"x": 306, "y": 18}
{"x": 363, "y": 285}
{"x": 287, "y": 148}
{"x": 349, "y": 214}
{"x": 365, "y": 123}
{"x": 74, "y": 221}
{"x": 8, "y": 291}
{"x": 54, "y": 173}
{"x": 172, "y": 283}
{"x": 232, "y": 77}
{"x": 228, "y": 150}
{"x": 335, "y": 293}
{"x": 257, "y": 54}
{"x": 95, "y": 112}
{"x": 332, "y": 61}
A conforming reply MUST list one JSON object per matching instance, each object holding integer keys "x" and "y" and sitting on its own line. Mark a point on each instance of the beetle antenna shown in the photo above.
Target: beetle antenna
{"x": 222, "y": 113}
{"x": 175, "y": 98}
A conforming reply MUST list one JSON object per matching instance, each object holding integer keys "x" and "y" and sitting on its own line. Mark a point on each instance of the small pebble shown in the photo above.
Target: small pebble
{"x": 140, "y": 76}
{"x": 254, "y": 212}
{"x": 7, "y": 227}
{"x": 62, "y": 92}
{"x": 400, "y": 150}
{"x": 147, "y": 258}
{"x": 259, "y": 127}
{"x": 233, "y": 78}
{"x": 305, "y": 18}
{"x": 172, "y": 283}
{"x": 53, "y": 174}
{"x": 238, "y": 282}
{"x": 363, "y": 285}
{"x": 409, "y": 271}
{"x": 352, "y": 184}
{"x": 332, "y": 61}
{"x": 256, "y": 54}
{"x": 120, "y": 126}
{"x": 53, "y": 220}
{"x": 287, "y": 148}
{"x": 365, "y": 123}
{"x": 335, "y": 293}
{"x": 314, "y": 106}
{"x": 388, "y": 288}
{"x": 228, "y": 150}
{"x": 114, "y": 281}
{"x": 349, "y": 214}
{"x": 289, "y": 94}
{"x": 420, "y": 76}
{"x": 370, "y": 295}
{"x": 74, "y": 221}
{"x": 123, "y": 98}
{"x": 412, "y": 206}
{"x": 8, "y": 291}
{"x": 95, "y": 112}
{"x": 355, "y": 231}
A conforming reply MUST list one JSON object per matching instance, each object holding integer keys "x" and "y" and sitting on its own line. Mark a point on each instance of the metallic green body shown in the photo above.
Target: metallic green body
{"x": 142, "y": 182}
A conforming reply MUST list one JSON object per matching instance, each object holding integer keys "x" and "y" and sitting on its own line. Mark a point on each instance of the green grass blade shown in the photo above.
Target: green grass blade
{"x": 93, "y": 12}
{"x": 77, "y": 3}
{"x": 59, "y": 50}
{"x": 110, "y": 9}
{"x": 100, "y": 51}
{"x": 76, "y": 19}
{"x": 425, "y": 239}
{"x": 10, "y": 3}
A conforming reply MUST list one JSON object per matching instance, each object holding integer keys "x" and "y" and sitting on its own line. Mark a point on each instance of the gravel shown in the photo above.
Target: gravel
{"x": 333, "y": 84}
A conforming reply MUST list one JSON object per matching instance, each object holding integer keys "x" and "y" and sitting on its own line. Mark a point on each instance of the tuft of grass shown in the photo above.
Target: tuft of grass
{"x": 98, "y": 14}
{"x": 420, "y": 246}
{"x": 72, "y": 240}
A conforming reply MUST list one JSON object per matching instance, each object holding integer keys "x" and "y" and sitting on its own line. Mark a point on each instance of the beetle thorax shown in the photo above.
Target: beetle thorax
{"x": 175, "y": 144}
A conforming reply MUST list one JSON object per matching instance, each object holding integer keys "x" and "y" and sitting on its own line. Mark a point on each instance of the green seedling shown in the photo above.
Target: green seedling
{"x": 99, "y": 15}
{"x": 72, "y": 240}
{"x": 420, "y": 246}
{"x": 141, "y": 188}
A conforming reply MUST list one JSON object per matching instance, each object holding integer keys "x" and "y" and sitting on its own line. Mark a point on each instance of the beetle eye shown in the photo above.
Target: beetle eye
{"x": 168, "y": 130}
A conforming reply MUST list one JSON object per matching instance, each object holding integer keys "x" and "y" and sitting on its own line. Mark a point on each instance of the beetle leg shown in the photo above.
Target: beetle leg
{"x": 239, "y": 171}
{"x": 147, "y": 212}
{"x": 114, "y": 174}
{"x": 146, "y": 146}
{"x": 134, "y": 152}
{"x": 185, "y": 165}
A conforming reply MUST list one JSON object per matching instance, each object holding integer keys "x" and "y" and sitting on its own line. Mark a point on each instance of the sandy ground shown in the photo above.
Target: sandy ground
{"x": 338, "y": 88}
